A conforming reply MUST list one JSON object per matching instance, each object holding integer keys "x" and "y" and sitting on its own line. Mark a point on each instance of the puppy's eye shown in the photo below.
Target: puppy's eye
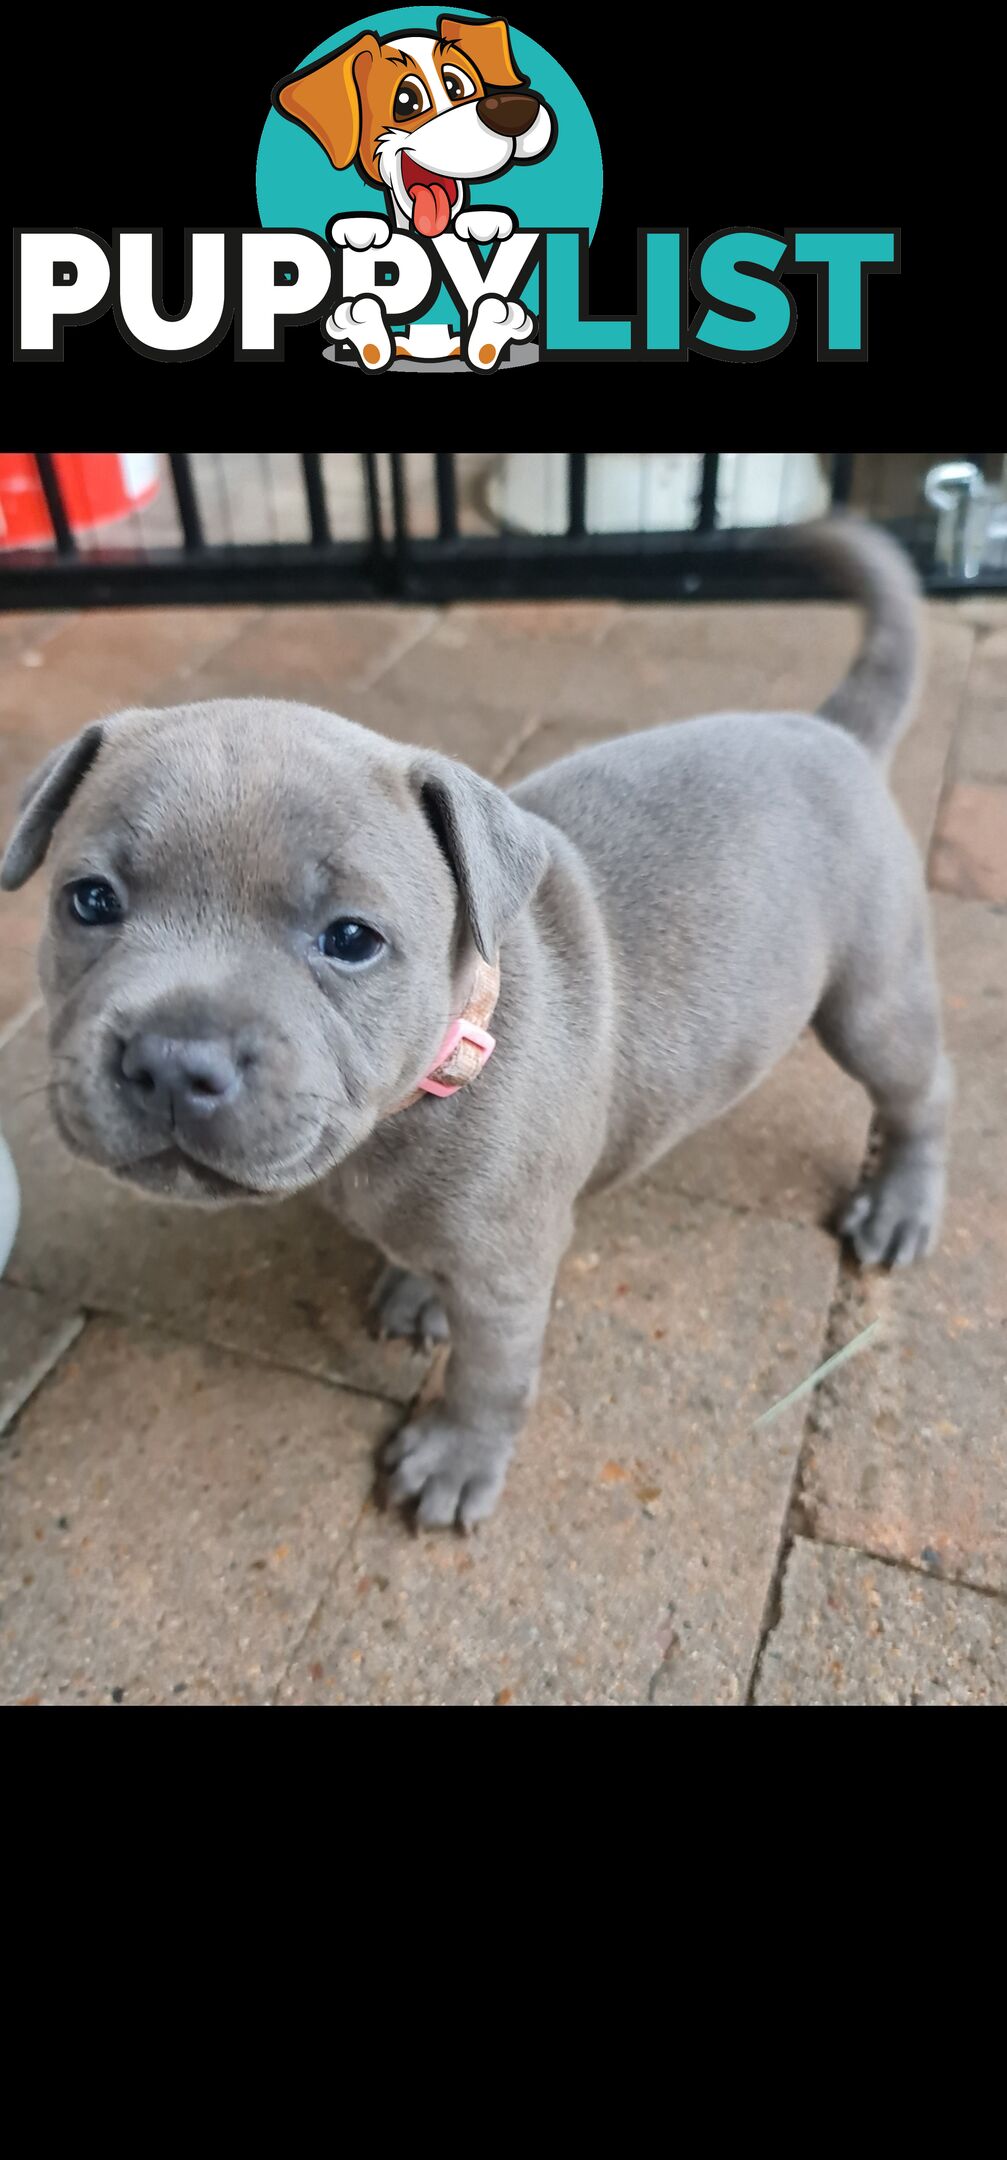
{"x": 93, "y": 901}
{"x": 354, "y": 943}
{"x": 410, "y": 99}
{"x": 457, "y": 85}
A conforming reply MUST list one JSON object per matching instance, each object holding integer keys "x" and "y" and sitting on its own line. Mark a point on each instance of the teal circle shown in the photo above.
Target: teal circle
{"x": 297, "y": 188}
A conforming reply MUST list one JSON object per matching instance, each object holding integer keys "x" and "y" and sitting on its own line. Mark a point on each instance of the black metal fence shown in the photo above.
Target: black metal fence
{"x": 956, "y": 532}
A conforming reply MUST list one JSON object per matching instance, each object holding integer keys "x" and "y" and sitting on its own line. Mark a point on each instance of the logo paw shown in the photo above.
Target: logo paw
{"x": 484, "y": 225}
{"x": 496, "y": 324}
{"x": 363, "y": 324}
{"x": 359, "y": 233}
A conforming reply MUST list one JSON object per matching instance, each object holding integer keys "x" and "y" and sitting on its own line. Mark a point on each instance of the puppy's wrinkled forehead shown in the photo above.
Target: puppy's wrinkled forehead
{"x": 255, "y": 802}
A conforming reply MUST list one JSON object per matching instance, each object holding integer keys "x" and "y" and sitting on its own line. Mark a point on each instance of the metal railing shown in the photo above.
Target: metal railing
{"x": 388, "y": 557}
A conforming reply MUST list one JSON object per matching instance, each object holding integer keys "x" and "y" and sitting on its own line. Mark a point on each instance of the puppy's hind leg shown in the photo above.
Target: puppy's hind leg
{"x": 881, "y": 1022}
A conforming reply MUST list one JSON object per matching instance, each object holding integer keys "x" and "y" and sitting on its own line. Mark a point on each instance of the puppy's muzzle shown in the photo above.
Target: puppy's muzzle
{"x": 509, "y": 112}
{"x": 178, "y": 1081}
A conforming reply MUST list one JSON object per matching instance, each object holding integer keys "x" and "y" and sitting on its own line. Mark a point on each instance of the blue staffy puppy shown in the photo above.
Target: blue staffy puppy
{"x": 277, "y": 944}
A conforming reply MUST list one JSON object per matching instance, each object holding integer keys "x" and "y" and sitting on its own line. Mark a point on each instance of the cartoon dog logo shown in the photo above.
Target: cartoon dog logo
{"x": 422, "y": 117}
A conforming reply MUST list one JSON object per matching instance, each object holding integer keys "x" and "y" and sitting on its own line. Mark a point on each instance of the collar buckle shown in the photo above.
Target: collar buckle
{"x": 453, "y": 1068}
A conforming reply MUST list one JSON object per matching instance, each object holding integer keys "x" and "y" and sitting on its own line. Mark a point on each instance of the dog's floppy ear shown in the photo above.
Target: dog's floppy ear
{"x": 488, "y": 44}
{"x": 44, "y": 800}
{"x": 496, "y": 852}
{"x": 326, "y": 98}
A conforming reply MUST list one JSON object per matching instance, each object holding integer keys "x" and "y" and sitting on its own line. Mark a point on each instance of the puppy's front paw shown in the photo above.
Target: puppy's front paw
{"x": 894, "y": 1218}
{"x": 359, "y": 233}
{"x": 484, "y": 225}
{"x": 407, "y": 1307}
{"x": 452, "y": 1475}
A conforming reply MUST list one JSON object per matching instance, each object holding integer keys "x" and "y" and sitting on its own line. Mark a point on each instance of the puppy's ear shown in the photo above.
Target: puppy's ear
{"x": 488, "y": 44}
{"x": 327, "y": 99}
{"x": 44, "y": 800}
{"x": 496, "y": 852}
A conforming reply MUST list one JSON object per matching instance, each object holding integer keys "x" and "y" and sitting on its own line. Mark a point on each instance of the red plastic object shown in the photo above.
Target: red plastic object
{"x": 98, "y": 488}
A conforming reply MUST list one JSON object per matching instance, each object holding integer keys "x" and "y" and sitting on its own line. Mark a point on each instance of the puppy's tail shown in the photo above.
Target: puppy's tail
{"x": 875, "y": 699}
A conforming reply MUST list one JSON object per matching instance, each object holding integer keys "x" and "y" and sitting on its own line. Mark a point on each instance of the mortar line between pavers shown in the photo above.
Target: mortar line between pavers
{"x": 184, "y": 673}
{"x": 74, "y": 1326}
{"x": 412, "y": 1408}
{"x": 345, "y": 1553}
{"x": 51, "y": 635}
{"x": 901, "y": 1567}
{"x": 773, "y": 1606}
{"x": 108, "y": 704}
{"x": 772, "y": 1611}
{"x": 17, "y": 1021}
{"x": 84, "y": 1319}
{"x": 525, "y": 734}
{"x": 43, "y": 628}
{"x": 650, "y": 1695}
{"x": 947, "y": 771}
{"x": 401, "y": 652}
{"x": 619, "y": 614}
{"x": 774, "y": 1602}
{"x": 744, "y": 1207}
{"x": 152, "y": 1326}
{"x": 536, "y": 720}
{"x": 253, "y": 618}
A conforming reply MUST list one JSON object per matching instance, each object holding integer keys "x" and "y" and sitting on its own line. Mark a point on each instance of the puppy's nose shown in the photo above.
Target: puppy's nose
{"x": 509, "y": 112}
{"x": 170, "y": 1073}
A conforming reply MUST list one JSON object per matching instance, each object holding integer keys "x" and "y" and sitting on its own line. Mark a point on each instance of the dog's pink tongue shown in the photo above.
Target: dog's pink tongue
{"x": 431, "y": 209}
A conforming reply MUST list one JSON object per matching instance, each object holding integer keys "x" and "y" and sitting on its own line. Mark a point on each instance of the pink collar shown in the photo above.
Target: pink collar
{"x": 466, "y": 1045}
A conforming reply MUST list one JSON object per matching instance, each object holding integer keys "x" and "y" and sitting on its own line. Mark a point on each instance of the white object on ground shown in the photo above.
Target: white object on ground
{"x": 10, "y": 1202}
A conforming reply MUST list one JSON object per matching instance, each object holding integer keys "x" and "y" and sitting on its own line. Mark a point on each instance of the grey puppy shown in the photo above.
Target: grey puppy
{"x": 263, "y": 917}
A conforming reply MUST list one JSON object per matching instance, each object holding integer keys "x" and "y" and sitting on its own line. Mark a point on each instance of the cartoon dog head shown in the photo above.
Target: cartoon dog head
{"x": 420, "y": 116}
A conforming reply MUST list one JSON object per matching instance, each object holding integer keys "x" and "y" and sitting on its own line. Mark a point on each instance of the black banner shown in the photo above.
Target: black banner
{"x": 737, "y": 153}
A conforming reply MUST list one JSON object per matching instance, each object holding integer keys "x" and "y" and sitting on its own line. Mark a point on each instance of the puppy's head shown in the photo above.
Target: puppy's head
{"x": 261, "y": 920}
{"x": 420, "y": 115}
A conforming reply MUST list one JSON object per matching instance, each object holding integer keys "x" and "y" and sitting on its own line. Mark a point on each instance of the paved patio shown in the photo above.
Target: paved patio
{"x": 191, "y": 1405}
